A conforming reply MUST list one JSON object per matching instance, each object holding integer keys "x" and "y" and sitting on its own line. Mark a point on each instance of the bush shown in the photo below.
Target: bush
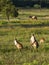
{"x": 37, "y": 6}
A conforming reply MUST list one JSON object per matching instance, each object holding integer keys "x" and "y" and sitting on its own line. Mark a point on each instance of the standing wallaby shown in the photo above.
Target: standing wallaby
{"x": 34, "y": 42}
{"x": 18, "y": 44}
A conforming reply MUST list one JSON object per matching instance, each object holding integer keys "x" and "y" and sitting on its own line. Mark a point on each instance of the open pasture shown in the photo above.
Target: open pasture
{"x": 22, "y": 28}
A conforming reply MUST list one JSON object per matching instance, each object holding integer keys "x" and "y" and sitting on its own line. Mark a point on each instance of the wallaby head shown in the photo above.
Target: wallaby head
{"x": 42, "y": 40}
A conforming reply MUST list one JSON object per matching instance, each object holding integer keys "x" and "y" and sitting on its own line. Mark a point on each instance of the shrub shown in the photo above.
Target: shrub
{"x": 37, "y": 6}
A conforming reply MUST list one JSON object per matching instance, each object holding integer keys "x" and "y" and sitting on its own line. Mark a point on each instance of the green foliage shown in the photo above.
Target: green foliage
{"x": 8, "y": 9}
{"x": 14, "y": 11}
{"x": 37, "y": 6}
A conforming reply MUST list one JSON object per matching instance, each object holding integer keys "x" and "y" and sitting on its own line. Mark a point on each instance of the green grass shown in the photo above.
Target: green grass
{"x": 22, "y": 30}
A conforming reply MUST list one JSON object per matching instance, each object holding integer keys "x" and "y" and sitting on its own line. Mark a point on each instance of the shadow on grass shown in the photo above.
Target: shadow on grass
{"x": 15, "y": 24}
{"x": 4, "y": 33}
{"x": 7, "y": 50}
{"x": 35, "y": 25}
{"x": 9, "y": 25}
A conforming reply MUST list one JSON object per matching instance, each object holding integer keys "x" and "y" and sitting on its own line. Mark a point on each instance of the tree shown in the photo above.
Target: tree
{"x": 8, "y": 8}
{"x": 14, "y": 11}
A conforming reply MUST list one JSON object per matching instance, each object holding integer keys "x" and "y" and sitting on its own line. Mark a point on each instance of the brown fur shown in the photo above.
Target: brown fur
{"x": 19, "y": 45}
{"x": 33, "y": 17}
{"x": 42, "y": 40}
{"x": 35, "y": 44}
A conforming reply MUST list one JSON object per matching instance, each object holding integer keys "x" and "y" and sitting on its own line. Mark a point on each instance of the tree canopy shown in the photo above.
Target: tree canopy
{"x": 7, "y": 8}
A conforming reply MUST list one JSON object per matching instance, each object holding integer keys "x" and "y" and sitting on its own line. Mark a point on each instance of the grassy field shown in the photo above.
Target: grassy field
{"x": 22, "y": 28}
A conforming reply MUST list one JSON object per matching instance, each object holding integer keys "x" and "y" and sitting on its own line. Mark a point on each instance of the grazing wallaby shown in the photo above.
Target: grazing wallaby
{"x": 34, "y": 42}
{"x": 18, "y": 44}
{"x": 33, "y": 17}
